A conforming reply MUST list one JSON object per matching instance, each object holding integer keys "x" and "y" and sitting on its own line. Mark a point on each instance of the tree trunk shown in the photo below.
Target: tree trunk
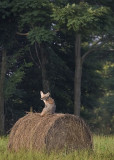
{"x": 2, "y": 79}
{"x": 44, "y": 61}
{"x": 78, "y": 74}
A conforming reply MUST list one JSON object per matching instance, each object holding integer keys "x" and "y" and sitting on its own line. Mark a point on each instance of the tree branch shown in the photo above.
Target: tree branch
{"x": 93, "y": 48}
{"x": 33, "y": 58}
{"x": 22, "y": 34}
{"x": 38, "y": 54}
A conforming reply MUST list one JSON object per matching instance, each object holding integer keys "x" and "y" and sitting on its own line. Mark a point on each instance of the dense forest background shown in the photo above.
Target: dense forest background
{"x": 39, "y": 42}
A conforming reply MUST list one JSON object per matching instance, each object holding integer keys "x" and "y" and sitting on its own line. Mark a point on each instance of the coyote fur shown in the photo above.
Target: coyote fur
{"x": 49, "y": 104}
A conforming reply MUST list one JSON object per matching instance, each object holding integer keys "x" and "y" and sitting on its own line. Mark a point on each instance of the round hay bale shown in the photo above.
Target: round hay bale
{"x": 51, "y": 132}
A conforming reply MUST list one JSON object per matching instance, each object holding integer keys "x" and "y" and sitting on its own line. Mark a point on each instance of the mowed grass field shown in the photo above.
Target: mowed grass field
{"x": 103, "y": 150}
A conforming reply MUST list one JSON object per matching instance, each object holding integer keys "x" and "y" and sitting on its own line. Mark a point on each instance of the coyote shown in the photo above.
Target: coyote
{"x": 49, "y": 104}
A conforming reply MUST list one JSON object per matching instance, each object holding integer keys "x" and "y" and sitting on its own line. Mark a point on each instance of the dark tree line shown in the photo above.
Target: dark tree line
{"x": 65, "y": 47}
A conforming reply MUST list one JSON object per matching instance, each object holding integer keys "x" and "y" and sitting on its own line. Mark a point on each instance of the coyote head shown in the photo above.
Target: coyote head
{"x": 44, "y": 96}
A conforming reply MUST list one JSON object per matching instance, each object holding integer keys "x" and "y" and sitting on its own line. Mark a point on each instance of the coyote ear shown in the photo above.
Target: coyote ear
{"x": 41, "y": 93}
{"x": 48, "y": 94}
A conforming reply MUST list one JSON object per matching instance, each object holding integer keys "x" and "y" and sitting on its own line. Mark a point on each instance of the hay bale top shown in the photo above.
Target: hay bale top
{"x": 50, "y": 132}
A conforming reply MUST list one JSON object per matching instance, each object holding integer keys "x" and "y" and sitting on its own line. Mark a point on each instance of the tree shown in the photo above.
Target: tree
{"x": 7, "y": 40}
{"x": 84, "y": 20}
{"x": 102, "y": 119}
{"x": 4, "y": 26}
{"x": 2, "y": 80}
{"x": 34, "y": 18}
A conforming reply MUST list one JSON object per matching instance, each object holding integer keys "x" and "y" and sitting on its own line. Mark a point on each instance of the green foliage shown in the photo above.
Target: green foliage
{"x": 61, "y": 79}
{"x": 5, "y": 7}
{"x": 34, "y": 18}
{"x": 34, "y": 13}
{"x": 7, "y": 24}
{"x": 92, "y": 86}
{"x": 103, "y": 118}
{"x": 81, "y": 17}
{"x": 15, "y": 74}
{"x": 40, "y": 35}
{"x": 12, "y": 82}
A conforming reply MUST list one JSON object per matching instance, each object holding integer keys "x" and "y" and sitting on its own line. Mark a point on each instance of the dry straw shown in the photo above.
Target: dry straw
{"x": 51, "y": 132}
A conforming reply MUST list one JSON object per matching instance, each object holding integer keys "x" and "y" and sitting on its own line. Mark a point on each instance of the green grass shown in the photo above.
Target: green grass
{"x": 103, "y": 150}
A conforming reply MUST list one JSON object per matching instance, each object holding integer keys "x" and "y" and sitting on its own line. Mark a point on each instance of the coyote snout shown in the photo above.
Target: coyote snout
{"x": 49, "y": 104}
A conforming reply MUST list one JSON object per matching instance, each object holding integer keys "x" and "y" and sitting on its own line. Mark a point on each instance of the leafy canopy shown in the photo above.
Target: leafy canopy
{"x": 81, "y": 17}
{"x": 34, "y": 18}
